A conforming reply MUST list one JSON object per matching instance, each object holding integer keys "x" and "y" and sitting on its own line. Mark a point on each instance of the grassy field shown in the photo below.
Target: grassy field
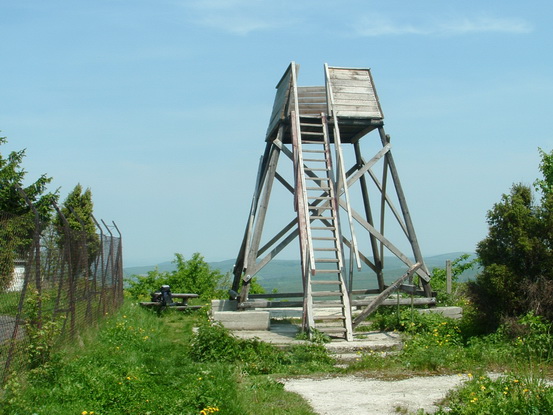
{"x": 139, "y": 363}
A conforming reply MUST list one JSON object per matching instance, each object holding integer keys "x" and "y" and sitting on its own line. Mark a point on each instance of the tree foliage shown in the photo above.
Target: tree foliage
{"x": 517, "y": 255}
{"x": 77, "y": 225}
{"x": 190, "y": 276}
{"x": 18, "y": 219}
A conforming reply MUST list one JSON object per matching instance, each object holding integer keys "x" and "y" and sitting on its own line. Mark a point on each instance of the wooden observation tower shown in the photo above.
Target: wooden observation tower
{"x": 340, "y": 207}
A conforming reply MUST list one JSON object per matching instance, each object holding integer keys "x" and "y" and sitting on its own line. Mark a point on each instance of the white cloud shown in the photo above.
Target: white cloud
{"x": 378, "y": 25}
{"x": 239, "y": 17}
{"x": 235, "y": 24}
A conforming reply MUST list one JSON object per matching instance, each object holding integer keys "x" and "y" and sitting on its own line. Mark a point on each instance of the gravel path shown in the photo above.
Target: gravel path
{"x": 363, "y": 396}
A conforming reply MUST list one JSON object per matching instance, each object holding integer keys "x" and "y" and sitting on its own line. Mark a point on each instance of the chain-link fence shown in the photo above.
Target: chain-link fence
{"x": 54, "y": 281}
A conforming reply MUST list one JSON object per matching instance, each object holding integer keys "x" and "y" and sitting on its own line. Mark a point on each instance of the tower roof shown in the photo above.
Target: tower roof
{"x": 348, "y": 97}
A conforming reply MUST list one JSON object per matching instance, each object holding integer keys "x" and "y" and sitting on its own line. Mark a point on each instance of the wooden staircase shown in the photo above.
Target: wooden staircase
{"x": 326, "y": 295}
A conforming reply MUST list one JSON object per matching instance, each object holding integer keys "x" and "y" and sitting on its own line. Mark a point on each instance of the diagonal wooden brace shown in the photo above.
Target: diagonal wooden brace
{"x": 385, "y": 294}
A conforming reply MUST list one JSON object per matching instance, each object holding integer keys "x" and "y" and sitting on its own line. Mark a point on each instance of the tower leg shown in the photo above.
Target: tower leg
{"x": 404, "y": 209}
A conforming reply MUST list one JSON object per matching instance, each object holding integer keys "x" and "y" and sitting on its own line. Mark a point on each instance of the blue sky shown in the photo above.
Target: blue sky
{"x": 160, "y": 107}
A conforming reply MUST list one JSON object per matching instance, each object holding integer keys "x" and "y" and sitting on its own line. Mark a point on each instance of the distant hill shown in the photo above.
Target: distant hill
{"x": 285, "y": 275}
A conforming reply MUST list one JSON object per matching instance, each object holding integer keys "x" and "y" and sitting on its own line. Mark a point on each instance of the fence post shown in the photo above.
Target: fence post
{"x": 448, "y": 276}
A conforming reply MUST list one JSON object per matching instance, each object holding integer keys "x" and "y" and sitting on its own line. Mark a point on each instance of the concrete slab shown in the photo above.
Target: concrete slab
{"x": 243, "y": 320}
{"x": 224, "y": 305}
{"x": 285, "y": 334}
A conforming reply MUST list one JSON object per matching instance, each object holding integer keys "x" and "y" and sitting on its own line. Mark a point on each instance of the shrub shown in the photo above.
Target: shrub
{"x": 191, "y": 276}
{"x": 507, "y": 395}
{"x": 214, "y": 343}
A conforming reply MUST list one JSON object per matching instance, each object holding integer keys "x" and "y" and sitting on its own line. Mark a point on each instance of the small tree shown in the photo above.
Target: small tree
{"x": 517, "y": 254}
{"x": 195, "y": 276}
{"x": 18, "y": 219}
{"x": 191, "y": 276}
{"x": 78, "y": 228}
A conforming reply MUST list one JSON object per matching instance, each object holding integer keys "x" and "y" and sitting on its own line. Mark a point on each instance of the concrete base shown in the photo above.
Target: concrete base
{"x": 243, "y": 320}
{"x": 451, "y": 312}
{"x": 224, "y": 305}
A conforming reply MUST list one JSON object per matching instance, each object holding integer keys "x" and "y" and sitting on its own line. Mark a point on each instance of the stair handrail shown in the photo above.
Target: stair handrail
{"x": 301, "y": 202}
{"x": 296, "y": 134}
{"x": 340, "y": 169}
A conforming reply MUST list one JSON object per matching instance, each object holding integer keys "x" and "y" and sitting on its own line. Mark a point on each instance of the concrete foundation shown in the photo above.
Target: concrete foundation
{"x": 224, "y": 305}
{"x": 243, "y": 320}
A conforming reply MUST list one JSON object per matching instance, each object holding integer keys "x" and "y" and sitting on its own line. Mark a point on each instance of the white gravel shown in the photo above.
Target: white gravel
{"x": 364, "y": 396}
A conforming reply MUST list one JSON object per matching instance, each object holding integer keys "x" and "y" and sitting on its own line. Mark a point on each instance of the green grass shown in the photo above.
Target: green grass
{"x": 139, "y": 363}
{"x": 506, "y": 395}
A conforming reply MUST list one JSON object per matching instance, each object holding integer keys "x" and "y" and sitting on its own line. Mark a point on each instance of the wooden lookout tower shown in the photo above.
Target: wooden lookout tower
{"x": 340, "y": 207}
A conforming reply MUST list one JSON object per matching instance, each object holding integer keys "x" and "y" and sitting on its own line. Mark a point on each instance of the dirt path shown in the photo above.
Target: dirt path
{"x": 363, "y": 396}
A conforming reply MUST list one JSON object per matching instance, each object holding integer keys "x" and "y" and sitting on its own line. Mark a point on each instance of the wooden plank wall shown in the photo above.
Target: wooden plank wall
{"x": 354, "y": 93}
{"x": 281, "y": 99}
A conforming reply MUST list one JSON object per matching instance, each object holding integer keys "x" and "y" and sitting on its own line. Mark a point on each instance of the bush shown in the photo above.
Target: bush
{"x": 516, "y": 254}
{"x": 191, "y": 276}
{"x": 214, "y": 343}
{"x": 507, "y": 395}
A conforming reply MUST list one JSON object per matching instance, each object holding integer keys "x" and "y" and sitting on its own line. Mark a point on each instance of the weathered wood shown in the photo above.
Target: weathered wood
{"x": 269, "y": 304}
{"x": 281, "y": 98}
{"x": 241, "y": 258}
{"x": 448, "y": 276}
{"x": 349, "y": 96}
{"x": 388, "y": 244}
{"x": 394, "y": 301}
{"x": 379, "y": 299}
{"x": 405, "y": 210}
{"x": 184, "y": 295}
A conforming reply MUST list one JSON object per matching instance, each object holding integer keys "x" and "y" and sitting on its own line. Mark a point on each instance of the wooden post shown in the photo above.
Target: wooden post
{"x": 448, "y": 276}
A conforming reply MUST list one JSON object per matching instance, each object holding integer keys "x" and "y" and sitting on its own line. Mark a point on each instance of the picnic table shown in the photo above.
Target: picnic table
{"x": 164, "y": 298}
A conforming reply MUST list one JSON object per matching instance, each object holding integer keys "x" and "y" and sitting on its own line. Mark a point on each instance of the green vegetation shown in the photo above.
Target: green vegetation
{"x": 505, "y": 395}
{"x": 17, "y": 219}
{"x": 139, "y": 363}
{"x": 191, "y": 276}
{"x": 516, "y": 256}
{"x": 77, "y": 218}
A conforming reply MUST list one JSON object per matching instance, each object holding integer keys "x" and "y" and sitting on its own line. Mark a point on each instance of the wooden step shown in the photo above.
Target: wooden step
{"x": 314, "y": 160}
{"x": 332, "y": 330}
{"x": 328, "y": 304}
{"x": 326, "y": 293}
{"x": 314, "y": 169}
{"x": 323, "y": 238}
{"x": 327, "y": 271}
{"x": 325, "y": 282}
{"x": 321, "y": 217}
{"x": 325, "y": 249}
{"x": 331, "y": 318}
{"x": 323, "y": 228}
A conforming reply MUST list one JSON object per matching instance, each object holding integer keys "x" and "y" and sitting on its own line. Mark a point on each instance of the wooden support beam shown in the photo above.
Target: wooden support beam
{"x": 385, "y": 294}
{"x": 391, "y": 247}
{"x": 260, "y": 222}
{"x": 404, "y": 209}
